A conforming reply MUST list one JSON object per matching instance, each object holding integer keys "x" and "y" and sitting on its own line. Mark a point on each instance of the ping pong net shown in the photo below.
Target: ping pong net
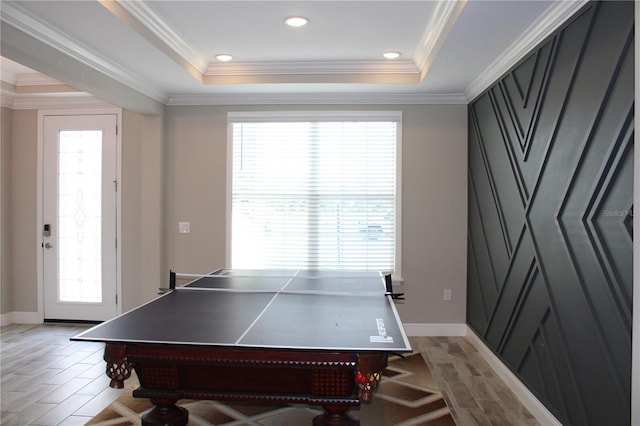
{"x": 318, "y": 282}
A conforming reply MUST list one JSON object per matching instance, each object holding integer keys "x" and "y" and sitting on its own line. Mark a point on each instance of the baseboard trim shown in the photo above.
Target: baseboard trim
{"x": 20, "y": 318}
{"x": 528, "y": 399}
{"x": 6, "y": 319}
{"x": 453, "y": 329}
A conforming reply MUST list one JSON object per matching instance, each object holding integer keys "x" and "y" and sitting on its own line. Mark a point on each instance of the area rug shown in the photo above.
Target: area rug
{"x": 407, "y": 395}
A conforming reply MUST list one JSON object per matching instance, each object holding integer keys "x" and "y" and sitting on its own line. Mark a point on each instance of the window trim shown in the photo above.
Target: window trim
{"x": 292, "y": 116}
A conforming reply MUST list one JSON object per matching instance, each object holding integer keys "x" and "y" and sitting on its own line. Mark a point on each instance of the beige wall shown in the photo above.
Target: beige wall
{"x": 6, "y": 118}
{"x": 195, "y": 187}
{"x": 141, "y": 197}
{"x": 434, "y": 211}
{"x": 153, "y": 264}
{"x": 130, "y": 193}
{"x": 22, "y": 211}
{"x": 192, "y": 170}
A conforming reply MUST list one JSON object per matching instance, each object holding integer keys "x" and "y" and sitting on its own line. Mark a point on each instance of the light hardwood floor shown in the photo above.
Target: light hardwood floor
{"x": 473, "y": 391}
{"x": 48, "y": 380}
{"x": 45, "y": 379}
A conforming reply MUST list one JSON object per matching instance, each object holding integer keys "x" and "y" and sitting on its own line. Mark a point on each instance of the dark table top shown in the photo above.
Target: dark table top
{"x": 307, "y": 310}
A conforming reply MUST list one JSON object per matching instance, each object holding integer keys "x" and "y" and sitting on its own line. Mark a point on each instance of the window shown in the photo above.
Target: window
{"x": 314, "y": 190}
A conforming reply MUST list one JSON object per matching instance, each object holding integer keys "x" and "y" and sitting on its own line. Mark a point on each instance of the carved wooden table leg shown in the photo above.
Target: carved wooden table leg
{"x": 367, "y": 377}
{"x": 370, "y": 367}
{"x": 335, "y": 415}
{"x": 118, "y": 367}
{"x": 165, "y": 412}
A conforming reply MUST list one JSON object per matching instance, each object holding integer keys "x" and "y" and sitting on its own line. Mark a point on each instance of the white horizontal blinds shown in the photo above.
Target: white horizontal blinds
{"x": 314, "y": 194}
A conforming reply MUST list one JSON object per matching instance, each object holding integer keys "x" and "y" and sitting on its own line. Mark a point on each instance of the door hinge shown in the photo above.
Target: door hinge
{"x": 116, "y": 298}
{"x": 115, "y": 185}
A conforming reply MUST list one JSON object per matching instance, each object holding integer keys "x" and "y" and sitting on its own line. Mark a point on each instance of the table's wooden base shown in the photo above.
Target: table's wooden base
{"x": 336, "y": 381}
{"x": 165, "y": 412}
{"x": 335, "y": 416}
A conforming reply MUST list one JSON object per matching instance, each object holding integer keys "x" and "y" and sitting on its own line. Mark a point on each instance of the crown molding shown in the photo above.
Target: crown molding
{"x": 556, "y": 15}
{"x": 53, "y": 90}
{"x": 33, "y": 26}
{"x": 33, "y": 79}
{"x": 143, "y": 20}
{"x": 311, "y": 67}
{"x": 318, "y": 99}
{"x": 443, "y": 19}
{"x": 9, "y": 77}
{"x": 140, "y": 11}
{"x": 77, "y": 101}
{"x": 12, "y": 101}
{"x": 6, "y": 99}
{"x": 285, "y": 72}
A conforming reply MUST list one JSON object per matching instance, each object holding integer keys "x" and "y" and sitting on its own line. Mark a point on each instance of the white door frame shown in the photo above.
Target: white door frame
{"x": 39, "y": 202}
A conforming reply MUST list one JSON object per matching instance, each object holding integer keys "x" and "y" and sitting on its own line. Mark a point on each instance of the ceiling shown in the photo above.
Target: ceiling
{"x": 166, "y": 50}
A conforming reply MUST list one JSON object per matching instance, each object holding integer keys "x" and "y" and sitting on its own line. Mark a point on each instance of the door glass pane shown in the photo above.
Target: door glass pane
{"x": 79, "y": 216}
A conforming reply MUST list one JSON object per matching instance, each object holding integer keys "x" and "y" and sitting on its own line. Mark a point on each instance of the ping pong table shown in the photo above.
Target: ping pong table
{"x": 259, "y": 336}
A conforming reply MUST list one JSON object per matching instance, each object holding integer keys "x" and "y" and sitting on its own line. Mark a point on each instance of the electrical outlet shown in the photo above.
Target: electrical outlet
{"x": 447, "y": 295}
{"x": 184, "y": 227}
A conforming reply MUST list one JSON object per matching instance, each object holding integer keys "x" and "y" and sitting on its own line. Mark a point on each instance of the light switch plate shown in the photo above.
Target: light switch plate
{"x": 184, "y": 227}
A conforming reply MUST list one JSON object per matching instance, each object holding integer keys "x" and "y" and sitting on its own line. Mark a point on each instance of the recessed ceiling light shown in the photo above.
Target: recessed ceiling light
{"x": 224, "y": 57}
{"x": 391, "y": 55}
{"x": 296, "y": 21}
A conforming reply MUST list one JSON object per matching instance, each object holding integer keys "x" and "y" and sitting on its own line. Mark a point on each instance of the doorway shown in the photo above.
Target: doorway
{"x": 79, "y": 217}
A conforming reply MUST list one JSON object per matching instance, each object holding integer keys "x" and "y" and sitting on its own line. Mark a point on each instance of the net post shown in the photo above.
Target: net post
{"x": 388, "y": 283}
{"x": 172, "y": 280}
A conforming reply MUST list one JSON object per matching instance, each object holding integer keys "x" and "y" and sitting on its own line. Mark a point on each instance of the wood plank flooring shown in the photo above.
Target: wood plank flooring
{"x": 473, "y": 391}
{"x": 45, "y": 379}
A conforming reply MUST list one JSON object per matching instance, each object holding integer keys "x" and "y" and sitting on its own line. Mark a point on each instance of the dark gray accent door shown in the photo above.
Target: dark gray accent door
{"x": 550, "y": 217}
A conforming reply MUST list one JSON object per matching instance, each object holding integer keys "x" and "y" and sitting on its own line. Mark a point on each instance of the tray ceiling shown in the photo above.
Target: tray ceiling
{"x": 449, "y": 50}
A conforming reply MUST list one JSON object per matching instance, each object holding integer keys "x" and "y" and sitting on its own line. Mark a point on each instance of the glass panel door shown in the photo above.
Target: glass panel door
{"x": 79, "y": 217}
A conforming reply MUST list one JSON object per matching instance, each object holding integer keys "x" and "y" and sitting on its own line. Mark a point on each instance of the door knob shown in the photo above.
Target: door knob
{"x": 48, "y": 245}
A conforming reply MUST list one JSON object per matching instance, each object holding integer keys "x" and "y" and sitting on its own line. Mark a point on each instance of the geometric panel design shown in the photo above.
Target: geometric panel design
{"x": 550, "y": 256}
